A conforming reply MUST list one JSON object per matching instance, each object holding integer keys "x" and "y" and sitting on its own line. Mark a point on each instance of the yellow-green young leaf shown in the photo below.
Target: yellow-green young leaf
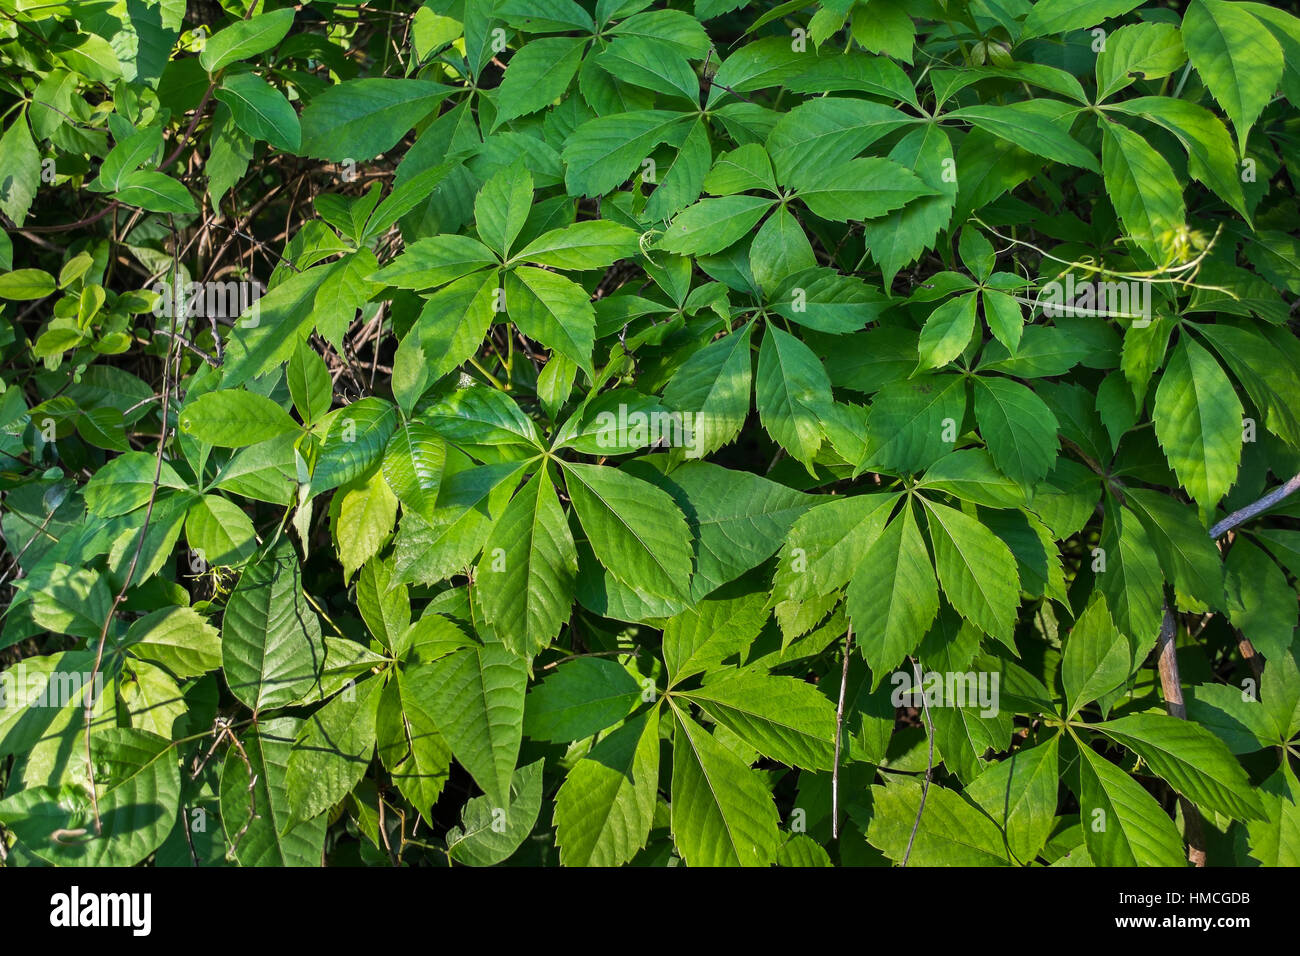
{"x": 1018, "y": 427}
{"x": 385, "y": 604}
{"x": 233, "y": 418}
{"x": 22, "y": 285}
{"x": 475, "y": 698}
{"x": 1197, "y": 763}
{"x": 1096, "y": 659}
{"x": 1122, "y": 823}
{"x": 1198, "y": 423}
{"x": 271, "y": 639}
{"x": 1143, "y": 189}
{"x": 604, "y": 808}
{"x": 791, "y": 388}
{"x": 952, "y": 832}
{"x": 332, "y": 751}
{"x": 363, "y": 512}
{"x": 580, "y": 698}
{"x": 783, "y": 718}
{"x": 258, "y": 806}
{"x": 309, "y": 383}
{"x": 635, "y": 529}
{"x": 153, "y": 700}
{"x": 722, "y": 812}
{"x": 526, "y": 576}
{"x": 892, "y": 598}
{"x": 1240, "y": 61}
{"x": 490, "y": 833}
{"x": 1020, "y": 794}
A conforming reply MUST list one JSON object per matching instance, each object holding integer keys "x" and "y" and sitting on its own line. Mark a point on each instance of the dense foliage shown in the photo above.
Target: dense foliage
{"x": 564, "y": 432}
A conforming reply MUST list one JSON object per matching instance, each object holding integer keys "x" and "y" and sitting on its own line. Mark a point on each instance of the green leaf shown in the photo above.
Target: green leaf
{"x": 526, "y": 576}
{"x": 1147, "y": 51}
{"x": 711, "y": 225}
{"x": 332, "y": 752}
{"x": 790, "y": 390}
{"x": 489, "y": 834}
{"x": 893, "y": 598}
{"x": 604, "y": 152}
{"x": 635, "y": 529}
{"x": 244, "y": 39}
{"x": 1240, "y": 63}
{"x": 1096, "y": 658}
{"x": 1198, "y": 423}
{"x": 475, "y": 698}
{"x": 220, "y": 531}
{"x": 553, "y": 310}
{"x": 947, "y": 331}
{"x": 1062, "y": 16}
{"x": 1020, "y": 794}
{"x": 155, "y": 192}
{"x": 502, "y": 205}
{"x": 261, "y": 111}
{"x": 780, "y": 249}
{"x": 715, "y": 628}
{"x": 22, "y": 164}
{"x": 722, "y": 814}
{"x": 713, "y": 385}
{"x": 860, "y": 189}
{"x": 361, "y": 118}
{"x": 413, "y": 466}
{"x": 255, "y": 801}
{"x": 1143, "y": 189}
{"x": 1029, "y": 128}
{"x": 537, "y": 75}
{"x": 977, "y": 571}
{"x": 951, "y": 831}
{"x": 605, "y": 807}
{"x": 783, "y": 718}
{"x": 179, "y": 639}
{"x": 1018, "y": 427}
{"x": 1122, "y": 823}
{"x": 1193, "y": 760}
{"x": 364, "y": 512}
{"x": 580, "y": 698}
{"x": 410, "y": 746}
{"x": 593, "y": 244}
{"x": 271, "y": 639}
{"x": 232, "y": 418}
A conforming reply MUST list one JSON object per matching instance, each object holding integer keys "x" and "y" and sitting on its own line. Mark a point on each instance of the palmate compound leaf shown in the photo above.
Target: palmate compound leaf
{"x": 783, "y": 718}
{"x": 605, "y": 807}
{"x": 526, "y": 575}
{"x": 722, "y": 812}
{"x": 475, "y": 698}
